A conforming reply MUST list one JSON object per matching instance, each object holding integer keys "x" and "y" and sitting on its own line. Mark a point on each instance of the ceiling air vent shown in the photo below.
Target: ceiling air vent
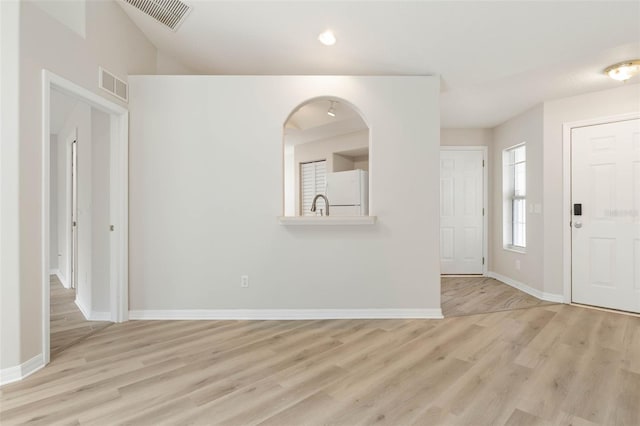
{"x": 168, "y": 12}
{"x": 113, "y": 84}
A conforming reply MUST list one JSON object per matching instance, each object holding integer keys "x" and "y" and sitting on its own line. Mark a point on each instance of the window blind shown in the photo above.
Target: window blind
{"x": 313, "y": 181}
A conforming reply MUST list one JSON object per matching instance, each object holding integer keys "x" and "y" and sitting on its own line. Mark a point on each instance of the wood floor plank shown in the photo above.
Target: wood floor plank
{"x": 522, "y": 418}
{"x": 539, "y": 364}
{"x": 551, "y": 386}
{"x": 309, "y": 408}
{"x": 474, "y": 295}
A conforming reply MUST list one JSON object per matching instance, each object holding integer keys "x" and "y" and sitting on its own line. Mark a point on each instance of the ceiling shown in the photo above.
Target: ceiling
{"x": 312, "y": 123}
{"x": 495, "y": 58}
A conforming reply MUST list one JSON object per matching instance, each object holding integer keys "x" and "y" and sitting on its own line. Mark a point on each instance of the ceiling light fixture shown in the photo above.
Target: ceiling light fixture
{"x": 332, "y": 111}
{"x": 623, "y": 71}
{"x": 327, "y": 38}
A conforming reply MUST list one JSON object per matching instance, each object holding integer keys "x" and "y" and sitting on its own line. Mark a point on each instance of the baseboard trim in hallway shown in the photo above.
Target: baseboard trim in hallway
{"x": 90, "y": 315}
{"x": 542, "y": 295}
{"x": 284, "y": 314}
{"x": 19, "y": 372}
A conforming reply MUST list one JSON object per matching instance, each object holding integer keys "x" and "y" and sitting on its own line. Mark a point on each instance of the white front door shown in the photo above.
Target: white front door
{"x": 461, "y": 212}
{"x": 605, "y": 185}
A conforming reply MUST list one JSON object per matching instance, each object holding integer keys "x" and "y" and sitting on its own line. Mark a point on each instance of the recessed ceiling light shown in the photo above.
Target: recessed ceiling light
{"x": 327, "y": 38}
{"x": 624, "y": 70}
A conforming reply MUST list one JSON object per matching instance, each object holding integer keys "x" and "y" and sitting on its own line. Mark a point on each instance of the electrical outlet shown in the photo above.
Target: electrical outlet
{"x": 518, "y": 265}
{"x": 244, "y": 281}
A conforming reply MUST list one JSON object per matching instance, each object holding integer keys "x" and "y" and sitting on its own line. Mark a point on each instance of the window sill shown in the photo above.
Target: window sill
{"x": 516, "y": 249}
{"x": 326, "y": 220}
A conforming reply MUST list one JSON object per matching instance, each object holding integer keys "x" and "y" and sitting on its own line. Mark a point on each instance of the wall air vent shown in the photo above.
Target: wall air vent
{"x": 168, "y": 12}
{"x": 113, "y": 84}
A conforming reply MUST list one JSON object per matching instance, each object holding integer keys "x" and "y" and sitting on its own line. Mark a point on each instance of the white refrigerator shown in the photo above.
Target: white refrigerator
{"x": 348, "y": 193}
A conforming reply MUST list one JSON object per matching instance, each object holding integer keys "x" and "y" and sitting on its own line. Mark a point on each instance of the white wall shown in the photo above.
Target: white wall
{"x": 466, "y": 137}
{"x": 289, "y": 181}
{"x": 623, "y": 99}
{"x": 206, "y": 189}
{"x": 325, "y": 149}
{"x": 72, "y": 14}
{"x": 63, "y": 163}
{"x": 53, "y": 202}
{"x": 10, "y": 268}
{"x": 100, "y": 245}
{"x": 167, "y": 65}
{"x": 361, "y": 163}
{"x": 526, "y": 127}
{"x": 84, "y": 150}
{"x": 36, "y": 41}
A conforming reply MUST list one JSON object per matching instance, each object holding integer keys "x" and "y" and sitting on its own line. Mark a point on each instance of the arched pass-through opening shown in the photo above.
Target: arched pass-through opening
{"x": 326, "y": 157}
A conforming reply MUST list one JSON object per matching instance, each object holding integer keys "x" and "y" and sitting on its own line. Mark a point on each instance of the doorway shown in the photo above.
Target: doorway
{"x": 605, "y": 215}
{"x": 106, "y": 220}
{"x": 463, "y": 210}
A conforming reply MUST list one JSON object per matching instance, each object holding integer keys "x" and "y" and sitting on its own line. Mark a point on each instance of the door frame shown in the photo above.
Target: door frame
{"x": 72, "y": 197}
{"x": 118, "y": 195}
{"x": 566, "y": 189}
{"x": 485, "y": 196}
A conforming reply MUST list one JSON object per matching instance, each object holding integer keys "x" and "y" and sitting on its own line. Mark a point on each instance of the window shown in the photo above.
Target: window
{"x": 313, "y": 177}
{"x": 515, "y": 193}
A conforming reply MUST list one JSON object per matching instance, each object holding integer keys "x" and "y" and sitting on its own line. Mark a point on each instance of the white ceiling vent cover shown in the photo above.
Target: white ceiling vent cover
{"x": 113, "y": 84}
{"x": 168, "y": 12}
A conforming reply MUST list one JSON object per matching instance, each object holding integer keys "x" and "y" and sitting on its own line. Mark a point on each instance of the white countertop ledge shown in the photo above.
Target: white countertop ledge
{"x": 326, "y": 220}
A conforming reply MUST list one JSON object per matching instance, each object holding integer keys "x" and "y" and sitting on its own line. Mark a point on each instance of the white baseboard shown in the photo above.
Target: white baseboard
{"x": 84, "y": 309}
{"x": 61, "y": 278}
{"x": 283, "y": 314}
{"x": 19, "y": 372}
{"x": 90, "y": 315}
{"x": 543, "y": 295}
{"x": 100, "y": 316}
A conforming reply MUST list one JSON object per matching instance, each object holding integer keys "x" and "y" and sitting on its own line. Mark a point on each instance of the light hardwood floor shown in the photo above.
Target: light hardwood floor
{"x": 546, "y": 365}
{"x": 477, "y": 295}
{"x": 67, "y": 325}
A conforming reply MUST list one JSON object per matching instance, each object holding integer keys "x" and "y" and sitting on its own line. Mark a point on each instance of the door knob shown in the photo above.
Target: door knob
{"x": 578, "y": 224}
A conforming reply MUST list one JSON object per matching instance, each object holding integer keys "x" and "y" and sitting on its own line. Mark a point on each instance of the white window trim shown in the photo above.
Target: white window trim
{"x": 509, "y": 197}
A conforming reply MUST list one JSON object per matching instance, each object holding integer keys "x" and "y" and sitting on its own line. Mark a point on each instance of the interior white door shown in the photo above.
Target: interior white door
{"x": 461, "y": 212}
{"x": 605, "y": 182}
